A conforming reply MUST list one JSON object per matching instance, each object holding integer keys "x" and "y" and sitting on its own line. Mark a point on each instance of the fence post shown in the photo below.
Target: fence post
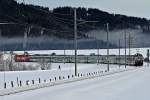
{"x": 78, "y": 75}
{"x": 20, "y": 83}
{"x": 27, "y": 82}
{"x": 32, "y": 81}
{"x": 12, "y": 84}
{"x": 59, "y": 77}
{"x": 39, "y": 80}
{"x": 5, "y": 85}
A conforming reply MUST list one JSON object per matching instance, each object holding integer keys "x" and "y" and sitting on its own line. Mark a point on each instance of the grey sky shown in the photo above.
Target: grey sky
{"x": 140, "y": 8}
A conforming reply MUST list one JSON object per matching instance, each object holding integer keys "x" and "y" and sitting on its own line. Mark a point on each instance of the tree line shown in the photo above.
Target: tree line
{"x": 59, "y": 21}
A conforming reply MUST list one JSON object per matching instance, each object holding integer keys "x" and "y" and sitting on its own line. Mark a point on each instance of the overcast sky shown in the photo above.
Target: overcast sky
{"x": 139, "y": 8}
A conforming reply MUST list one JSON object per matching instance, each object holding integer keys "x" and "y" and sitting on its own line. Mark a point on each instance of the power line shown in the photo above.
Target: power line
{"x": 6, "y": 23}
{"x": 62, "y": 20}
{"x": 14, "y": 19}
{"x": 47, "y": 12}
{"x": 107, "y": 47}
{"x": 26, "y": 24}
{"x": 62, "y": 14}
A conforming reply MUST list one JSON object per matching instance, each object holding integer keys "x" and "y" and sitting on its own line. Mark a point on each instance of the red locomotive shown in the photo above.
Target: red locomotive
{"x": 22, "y": 58}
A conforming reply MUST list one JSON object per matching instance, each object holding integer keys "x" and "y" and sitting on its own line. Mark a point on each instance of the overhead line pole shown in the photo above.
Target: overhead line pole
{"x": 98, "y": 54}
{"x": 125, "y": 49}
{"x": 119, "y": 54}
{"x": 75, "y": 39}
{"x": 107, "y": 46}
{"x": 76, "y": 36}
{"x": 129, "y": 44}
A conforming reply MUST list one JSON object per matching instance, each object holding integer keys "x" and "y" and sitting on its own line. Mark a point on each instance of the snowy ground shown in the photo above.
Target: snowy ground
{"x": 129, "y": 85}
{"x": 121, "y": 86}
{"x": 66, "y": 69}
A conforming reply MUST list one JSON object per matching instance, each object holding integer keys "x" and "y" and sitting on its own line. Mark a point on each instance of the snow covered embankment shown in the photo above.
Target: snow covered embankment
{"x": 60, "y": 80}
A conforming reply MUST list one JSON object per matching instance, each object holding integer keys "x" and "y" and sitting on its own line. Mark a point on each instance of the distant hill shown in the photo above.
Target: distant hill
{"x": 58, "y": 23}
{"x": 60, "y": 19}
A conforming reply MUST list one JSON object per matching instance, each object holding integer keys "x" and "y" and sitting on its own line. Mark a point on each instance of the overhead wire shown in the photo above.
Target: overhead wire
{"x": 48, "y": 12}
{"x": 26, "y": 24}
{"x": 58, "y": 18}
{"x": 14, "y": 19}
{"x": 62, "y": 14}
{"x": 62, "y": 20}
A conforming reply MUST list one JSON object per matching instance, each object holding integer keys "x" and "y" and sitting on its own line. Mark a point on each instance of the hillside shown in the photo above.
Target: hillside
{"x": 61, "y": 18}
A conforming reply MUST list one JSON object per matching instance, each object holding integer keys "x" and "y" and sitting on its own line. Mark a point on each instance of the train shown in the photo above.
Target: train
{"x": 135, "y": 60}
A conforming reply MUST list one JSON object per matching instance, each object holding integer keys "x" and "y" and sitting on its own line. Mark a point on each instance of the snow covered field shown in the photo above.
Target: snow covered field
{"x": 129, "y": 85}
{"x": 94, "y": 90}
{"x": 47, "y": 75}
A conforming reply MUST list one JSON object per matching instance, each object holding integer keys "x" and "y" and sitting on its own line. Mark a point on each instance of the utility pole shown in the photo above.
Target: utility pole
{"x": 148, "y": 54}
{"x": 75, "y": 36}
{"x": 119, "y": 53}
{"x": 125, "y": 49}
{"x": 26, "y": 33}
{"x": 107, "y": 46}
{"x": 64, "y": 51}
{"x": 129, "y": 44}
{"x": 0, "y": 37}
{"x": 0, "y": 33}
{"x": 147, "y": 57}
{"x": 75, "y": 39}
{"x": 41, "y": 37}
{"x": 25, "y": 39}
{"x": 97, "y": 46}
{"x": 98, "y": 56}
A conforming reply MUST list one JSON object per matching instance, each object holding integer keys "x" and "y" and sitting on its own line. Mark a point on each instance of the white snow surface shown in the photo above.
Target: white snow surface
{"x": 66, "y": 69}
{"x": 129, "y": 85}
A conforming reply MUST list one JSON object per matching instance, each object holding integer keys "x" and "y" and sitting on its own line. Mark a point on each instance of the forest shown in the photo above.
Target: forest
{"x": 59, "y": 22}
